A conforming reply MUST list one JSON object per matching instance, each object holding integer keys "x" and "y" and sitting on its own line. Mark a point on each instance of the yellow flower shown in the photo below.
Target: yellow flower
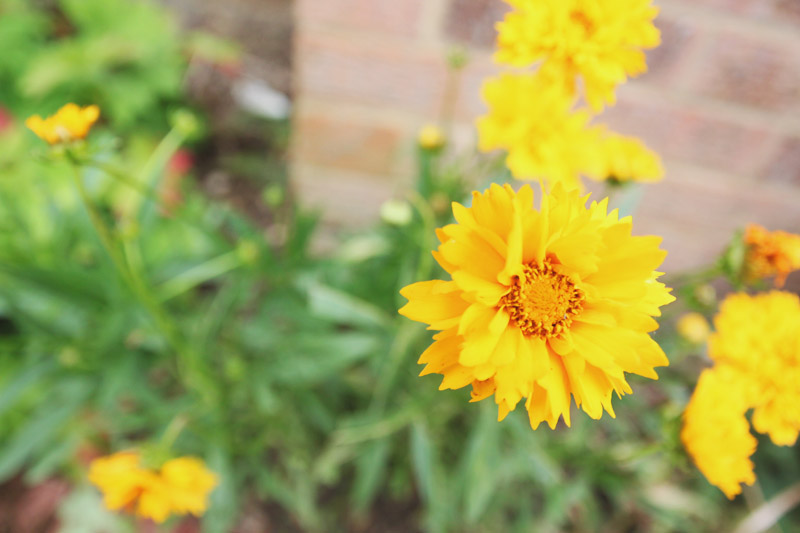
{"x": 70, "y": 123}
{"x": 189, "y": 483}
{"x": 770, "y": 253}
{"x": 548, "y": 304}
{"x": 694, "y": 328}
{"x": 716, "y": 433}
{"x": 601, "y": 41}
{"x": 532, "y": 118}
{"x": 756, "y": 351}
{"x": 627, "y": 159}
{"x": 431, "y": 137}
{"x": 760, "y": 337}
{"x": 181, "y": 486}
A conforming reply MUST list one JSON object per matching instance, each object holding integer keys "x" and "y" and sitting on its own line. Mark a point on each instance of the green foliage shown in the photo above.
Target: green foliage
{"x": 123, "y": 56}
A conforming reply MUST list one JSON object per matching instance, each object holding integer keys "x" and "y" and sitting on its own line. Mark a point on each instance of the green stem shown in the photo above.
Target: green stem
{"x": 101, "y": 229}
{"x": 201, "y": 273}
{"x": 172, "y": 432}
{"x": 429, "y": 227}
{"x": 189, "y": 363}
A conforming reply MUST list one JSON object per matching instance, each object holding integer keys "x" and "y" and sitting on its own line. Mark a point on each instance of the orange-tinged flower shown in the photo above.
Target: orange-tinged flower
{"x": 179, "y": 487}
{"x": 548, "y": 304}
{"x": 68, "y": 124}
{"x": 770, "y": 253}
{"x": 756, "y": 354}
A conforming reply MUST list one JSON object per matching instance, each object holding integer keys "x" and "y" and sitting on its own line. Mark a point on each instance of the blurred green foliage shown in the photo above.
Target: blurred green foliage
{"x": 123, "y": 56}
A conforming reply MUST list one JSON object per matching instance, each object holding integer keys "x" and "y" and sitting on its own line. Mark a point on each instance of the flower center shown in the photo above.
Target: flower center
{"x": 582, "y": 20}
{"x": 542, "y": 302}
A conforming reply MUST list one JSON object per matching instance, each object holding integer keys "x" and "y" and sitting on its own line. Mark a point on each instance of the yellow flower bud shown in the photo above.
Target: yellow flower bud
{"x": 694, "y": 328}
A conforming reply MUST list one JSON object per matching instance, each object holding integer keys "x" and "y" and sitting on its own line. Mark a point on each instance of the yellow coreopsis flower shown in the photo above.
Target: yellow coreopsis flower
{"x": 770, "y": 253}
{"x": 756, "y": 351}
{"x": 68, "y": 124}
{"x": 600, "y": 41}
{"x": 626, "y": 159}
{"x": 545, "y": 304}
{"x": 179, "y": 487}
{"x": 531, "y": 117}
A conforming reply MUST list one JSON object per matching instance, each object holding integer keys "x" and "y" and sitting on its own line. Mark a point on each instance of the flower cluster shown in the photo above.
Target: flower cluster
{"x": 756, "y": 354}
{"x": 179, "y": 487}
{"x": 770, "y": 254}
{"x": 70, "y": 123}
{"x": 533, "y": 115}
{"x": 600, "y": 42}
{"x": 546, "y": 305}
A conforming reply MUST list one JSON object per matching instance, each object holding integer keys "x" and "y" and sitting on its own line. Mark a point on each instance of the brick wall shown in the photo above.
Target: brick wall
{"x": 721, "y": 104}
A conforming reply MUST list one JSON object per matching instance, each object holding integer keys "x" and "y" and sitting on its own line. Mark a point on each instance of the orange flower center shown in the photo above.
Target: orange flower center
{"x": 542, "y": 302}
{"x": 582, "y": 20}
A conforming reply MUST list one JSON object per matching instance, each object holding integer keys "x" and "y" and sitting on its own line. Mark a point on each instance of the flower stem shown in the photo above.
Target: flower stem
{"x": 190, "y": 367}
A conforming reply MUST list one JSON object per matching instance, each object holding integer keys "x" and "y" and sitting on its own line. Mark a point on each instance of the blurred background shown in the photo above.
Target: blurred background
{"x": 266, "y": 234}
{"x": 720, "y": 104}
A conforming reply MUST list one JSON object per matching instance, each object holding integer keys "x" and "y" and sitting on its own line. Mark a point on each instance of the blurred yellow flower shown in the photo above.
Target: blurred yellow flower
{"x": 532, "y": 118}
{"x": 756, "y": 351}
{"x": 431, "y": 137}
{"x": 694, "y": 328}
{"x": 180, "y": 486}
{"x": 69, "y": 123}
{"x": 716, "y": 433}
{"x": 600, "y": 41}
{"x": 760, "y": 336}
{"x": 770, "y": 253}
{"x": 626, "y": 159}
{"x": 548, "y": 304}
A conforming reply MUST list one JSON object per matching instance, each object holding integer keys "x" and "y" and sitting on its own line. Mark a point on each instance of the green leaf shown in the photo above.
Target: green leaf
{"x": 370, "y": 472}
{"x": 342, "y": 308}
{"x": 22, "y": 382}
{"x": 224, "y": 502}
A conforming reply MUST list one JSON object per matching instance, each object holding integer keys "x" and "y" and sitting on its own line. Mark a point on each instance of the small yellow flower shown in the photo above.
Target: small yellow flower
{"x": 627, "y": 159}
{"x": 69, "y": 123}
{"x": 600, "y": 41}
{"x": 756, "y": 354}
{"x": 179, "y": 487}
{"x": 694, "y": 328}
{"x": 544, "y": 306}
{"x": 770, "y": 253}
{"x": 431, "y": 137}
{"x": 531, "y": 118}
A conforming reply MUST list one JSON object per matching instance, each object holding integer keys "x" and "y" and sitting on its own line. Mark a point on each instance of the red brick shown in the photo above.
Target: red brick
{"x": 785, "y": 168}
{"x": 472, "y": 22}
{"x": 762, "y": 10}
{"x": 750, "y": 72}
{"x": 344, "y": 144}
{"x": 394, "y": 17}
{"x": 390, "y": 77}
{"x": 697, "y": 213}
{"x": 678, "y": 37}
{"x": 786, "y": 10}
{"x": 690, "y": 135}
